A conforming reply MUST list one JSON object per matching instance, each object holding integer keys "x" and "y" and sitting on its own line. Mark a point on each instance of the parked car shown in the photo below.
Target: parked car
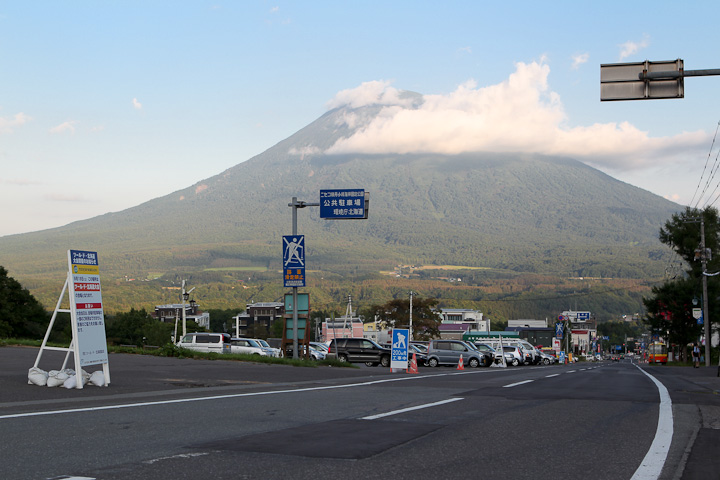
{"x": 273, "y": 352}
{"x": 514, "y": 355}
{"x": 319, "y": 346}
{"x": 545, "y": 358}
{"x": 420, "y": 355}
{"x": 206, "y": 342}
{"x": 316, "y": 353}
{"x": 449, "y": 352}
{"x": 497, "y": 356}
{"x": 247, "y": 346}
{"x": 359, "y": 350}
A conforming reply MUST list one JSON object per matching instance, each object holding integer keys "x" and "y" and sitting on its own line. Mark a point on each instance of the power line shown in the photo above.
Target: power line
{"x": 712, "y": 171}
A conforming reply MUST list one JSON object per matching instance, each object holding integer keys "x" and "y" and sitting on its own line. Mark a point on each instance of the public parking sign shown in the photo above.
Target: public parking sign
{"x": 293, "y": 261}
{"x": 342, "y": 204}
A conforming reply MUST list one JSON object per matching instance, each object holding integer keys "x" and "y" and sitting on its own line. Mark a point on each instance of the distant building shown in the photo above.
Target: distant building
{"x": 258, "y": 315}
{"x": 345, "y": 327}
{"x": 456, "y": 322}
{"x": 169, "y": 314}
{"x": 528, "y": 323}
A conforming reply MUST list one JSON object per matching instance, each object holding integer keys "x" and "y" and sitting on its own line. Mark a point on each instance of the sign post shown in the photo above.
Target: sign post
{"x": 399, "y": 353}
{"x": 338, "y": 204}
{"x": 88, "y": 345}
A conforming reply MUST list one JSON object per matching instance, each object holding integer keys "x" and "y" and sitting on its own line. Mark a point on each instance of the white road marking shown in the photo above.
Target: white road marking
{"x": 410, "y": 409}
{"x": 517, "y": 383}
{"x": 181, "y": 455}
{"x": 222, "y": 397}
{"x": 654, "y": 460}
{"x": 553, "y": 375}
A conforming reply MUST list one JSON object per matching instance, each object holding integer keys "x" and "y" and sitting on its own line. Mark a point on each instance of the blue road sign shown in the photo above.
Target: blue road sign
{"x": 558, "y": 330}
{"x": 399, "y": 353}
{"x": 293, "y": 260}
{"x": 340, "y": 204}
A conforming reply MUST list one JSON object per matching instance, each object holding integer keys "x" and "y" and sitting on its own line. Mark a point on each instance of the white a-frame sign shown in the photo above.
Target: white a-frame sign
{"x": 88, "y": 345}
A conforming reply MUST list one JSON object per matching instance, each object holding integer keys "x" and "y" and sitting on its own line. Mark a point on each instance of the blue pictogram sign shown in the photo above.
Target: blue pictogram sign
{"x": 399, "y": 353}
{"x": 293, "y": 261}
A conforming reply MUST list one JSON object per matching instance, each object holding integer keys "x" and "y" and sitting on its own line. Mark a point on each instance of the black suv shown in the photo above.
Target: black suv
{"x": 359, "y": 350}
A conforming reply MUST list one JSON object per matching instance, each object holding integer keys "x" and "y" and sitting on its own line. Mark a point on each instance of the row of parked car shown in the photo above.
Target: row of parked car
{"x": 441, "y": 352}
{"x": 362, "y": 350}
{"x": 224, "y": 343}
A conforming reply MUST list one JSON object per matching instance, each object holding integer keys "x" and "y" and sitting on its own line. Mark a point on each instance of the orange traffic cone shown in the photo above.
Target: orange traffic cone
{"x": 460, "y": 364}
{"x": 413, "y": 365}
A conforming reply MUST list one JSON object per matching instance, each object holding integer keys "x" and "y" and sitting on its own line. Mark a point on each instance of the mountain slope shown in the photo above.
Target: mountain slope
{"x": 519, "y": 212}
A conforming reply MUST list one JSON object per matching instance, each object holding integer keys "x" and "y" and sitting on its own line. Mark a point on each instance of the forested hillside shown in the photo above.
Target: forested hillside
{"x": 515, "y": 214}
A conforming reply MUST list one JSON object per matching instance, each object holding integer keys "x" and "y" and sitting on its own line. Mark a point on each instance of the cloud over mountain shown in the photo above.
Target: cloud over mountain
{"x": 520, "y": 114}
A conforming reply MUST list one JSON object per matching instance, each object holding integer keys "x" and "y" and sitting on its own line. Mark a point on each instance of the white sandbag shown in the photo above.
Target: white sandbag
{"x": 36, "y": 376}
{"x": 98, "y": 378}
{"x": 71, "y": 382}
{"x": 55, "y": 378}
{"x": 85, "y": 376}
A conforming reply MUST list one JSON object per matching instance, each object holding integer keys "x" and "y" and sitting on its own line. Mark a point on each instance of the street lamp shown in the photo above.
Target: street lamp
{"x": 185, "y": 297}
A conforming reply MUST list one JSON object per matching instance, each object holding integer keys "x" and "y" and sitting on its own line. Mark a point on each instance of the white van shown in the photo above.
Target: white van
{"x": 206, "y": 342}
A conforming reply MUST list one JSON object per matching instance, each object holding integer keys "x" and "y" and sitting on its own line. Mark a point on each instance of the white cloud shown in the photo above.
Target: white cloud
{"x": 579, "y": 60}
{"x": 274, "y": 9}
{"x": 65, "y": 127}
{"x": 521, "y": 114}
{"x": 630, "y": 48}
{"x": 368, "y": 93}
{"x": 7, "y": 124}
{"x": 137, "y": 105}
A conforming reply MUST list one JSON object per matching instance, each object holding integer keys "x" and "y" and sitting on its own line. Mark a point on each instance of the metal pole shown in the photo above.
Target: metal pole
{"x": 183, "y": 311}
{"x": 678, "y": 74}
{"x": 706, "y": 318}
{"x": 295, "y": 289}
{"x": 411, "y": 329}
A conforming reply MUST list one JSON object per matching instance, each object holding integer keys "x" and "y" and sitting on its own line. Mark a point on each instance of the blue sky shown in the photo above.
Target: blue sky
{"x": 105, "y": 105}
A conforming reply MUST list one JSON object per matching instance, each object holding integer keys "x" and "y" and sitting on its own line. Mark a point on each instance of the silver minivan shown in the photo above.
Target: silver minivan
{"x": 206, "y": 342}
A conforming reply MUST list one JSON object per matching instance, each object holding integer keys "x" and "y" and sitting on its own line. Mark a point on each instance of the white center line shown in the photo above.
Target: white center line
{"x": 410, "y": 409}
{"x": 553, "y": 375}
{"x": 518, "y": 383}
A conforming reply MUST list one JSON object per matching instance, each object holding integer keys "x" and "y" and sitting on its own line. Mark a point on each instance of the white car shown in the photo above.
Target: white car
{"x": 247, "y": 346}
{"x": 272, "y": 352}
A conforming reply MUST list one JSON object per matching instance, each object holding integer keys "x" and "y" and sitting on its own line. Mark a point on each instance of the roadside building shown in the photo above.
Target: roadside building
{"x": 457, "y": 322}
{"x": 343, "y": 327}
{"x": 258, "y": 318}
{"x": 173, "y": 312}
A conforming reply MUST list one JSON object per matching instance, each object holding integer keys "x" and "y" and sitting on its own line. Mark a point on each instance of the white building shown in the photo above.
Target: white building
{"x": 527, "y": 323}
{"x": 467, "y": 318}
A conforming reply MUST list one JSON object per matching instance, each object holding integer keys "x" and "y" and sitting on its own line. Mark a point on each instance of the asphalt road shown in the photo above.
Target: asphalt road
{"x": 165, "y": 418}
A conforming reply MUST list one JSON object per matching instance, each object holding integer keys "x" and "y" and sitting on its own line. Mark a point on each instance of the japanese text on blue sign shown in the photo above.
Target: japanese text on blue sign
{"x": 340, "y": 204}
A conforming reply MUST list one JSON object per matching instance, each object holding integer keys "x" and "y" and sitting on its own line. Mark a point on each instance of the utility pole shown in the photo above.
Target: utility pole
{"x": 706, "y": 318}
{"x": 411, "y": 329}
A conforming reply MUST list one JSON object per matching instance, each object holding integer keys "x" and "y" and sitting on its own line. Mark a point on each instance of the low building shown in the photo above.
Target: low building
{"x": 173, "y": 312}
{"x": 343, "y": 327}
{"x": 527, "y": 323}
{"x": 258, "y": 316}
{"x": 456, "y": 322}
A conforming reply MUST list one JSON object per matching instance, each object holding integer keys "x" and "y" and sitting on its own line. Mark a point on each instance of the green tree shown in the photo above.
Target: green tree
{"x": 395, "y": 313}
{"x": 669, "y": 310}
{"x": 137, "y": 327}
{"x": 21, "y": 315}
